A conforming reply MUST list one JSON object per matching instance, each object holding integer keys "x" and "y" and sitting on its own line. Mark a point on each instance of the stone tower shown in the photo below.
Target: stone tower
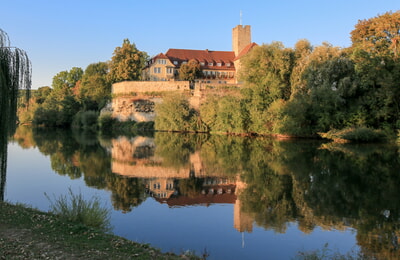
{"x": 241, "y": 37}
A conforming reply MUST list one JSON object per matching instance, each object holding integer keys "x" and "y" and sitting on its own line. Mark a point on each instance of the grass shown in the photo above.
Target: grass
{"x": 73, "y": 207}
{"x": 27, "y": 233}
{"x": 328, "y": 254}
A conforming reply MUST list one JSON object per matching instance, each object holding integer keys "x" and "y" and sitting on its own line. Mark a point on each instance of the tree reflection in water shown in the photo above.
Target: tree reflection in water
{"x": 271, "y": 183}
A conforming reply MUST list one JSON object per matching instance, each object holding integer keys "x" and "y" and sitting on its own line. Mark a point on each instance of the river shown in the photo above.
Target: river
{"x": 232, "y": 197}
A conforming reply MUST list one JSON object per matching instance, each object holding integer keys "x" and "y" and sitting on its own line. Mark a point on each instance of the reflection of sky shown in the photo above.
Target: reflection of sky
{"x": 197, "y": 228}
{"x": 29, "y": 176}
{"x": 170, "y": 229}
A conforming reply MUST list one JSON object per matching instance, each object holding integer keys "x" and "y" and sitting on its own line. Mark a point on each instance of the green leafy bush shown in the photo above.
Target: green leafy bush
{"x": 106, "y": 122}
{"x": 175, "y": 114}
{"x": 86, "y": 120}
{"x": 359, "y": 134}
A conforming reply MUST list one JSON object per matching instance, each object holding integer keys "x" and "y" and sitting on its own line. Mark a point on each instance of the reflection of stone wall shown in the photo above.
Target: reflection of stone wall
{"x": 135, "y": 158}
{"x": 128, "y": 159}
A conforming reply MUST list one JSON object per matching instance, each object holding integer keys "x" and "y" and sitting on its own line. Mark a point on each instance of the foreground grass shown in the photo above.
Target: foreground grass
{"x": 27, "y": 233}
{"x": 73, "y": 207}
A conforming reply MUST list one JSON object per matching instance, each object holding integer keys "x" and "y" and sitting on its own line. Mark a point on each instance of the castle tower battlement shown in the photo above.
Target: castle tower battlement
{"x": 241, "y": 37}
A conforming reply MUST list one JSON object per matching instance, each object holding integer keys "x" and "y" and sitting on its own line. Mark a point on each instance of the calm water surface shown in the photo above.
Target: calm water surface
{"x": 235, "y": 197}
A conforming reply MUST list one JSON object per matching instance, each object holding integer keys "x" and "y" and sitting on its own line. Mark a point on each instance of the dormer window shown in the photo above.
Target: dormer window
{"x": 202, "y": 63}
{"x": 210, "y": 64}
{"x": 228, "y": 64}
{"x": 219, "y": 64}
{"x": 184, "y": 62}
{"x": 175, "y": 62}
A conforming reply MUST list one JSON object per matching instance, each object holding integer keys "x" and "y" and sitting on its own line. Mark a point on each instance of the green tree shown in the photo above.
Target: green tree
{"x": 266, "y": 71}
{"x": 127, "y": 63}
{"x": 60, "y": 106}
{"x": 42, "y": 93}
{"x": 375, "y": 52}
{"x": 321, "y": 80}
{"x": 67, "y": 79}
{"x": 95, "y": 88}
{"x": 190, "y": 71}
{"x": 302, "y": 51}
{"x": 332, "y": 91}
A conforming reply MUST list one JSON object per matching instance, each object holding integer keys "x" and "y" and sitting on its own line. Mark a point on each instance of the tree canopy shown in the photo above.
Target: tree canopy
{"x": 127, "y": 63}
{"x": 190, "y": 71}
{"x": 67, "y": 79}
{"x": 95, "y": 89}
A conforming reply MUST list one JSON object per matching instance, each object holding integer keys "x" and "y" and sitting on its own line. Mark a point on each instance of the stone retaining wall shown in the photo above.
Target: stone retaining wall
{"x": 135, "y": 100}
{"x": 127, "y": 87}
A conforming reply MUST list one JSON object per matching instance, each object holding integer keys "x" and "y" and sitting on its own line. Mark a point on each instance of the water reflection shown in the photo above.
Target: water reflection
{"x": 269, "y": 183}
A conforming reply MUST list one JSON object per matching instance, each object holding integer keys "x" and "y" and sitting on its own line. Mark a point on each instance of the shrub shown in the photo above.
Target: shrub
{"x": 173, "y": 114}
{"x": 75, "y": 208}
{"x": 359, "y": 134}
{"x": 106, "y": 122}
{"x": 89, "y": 120}
{"x": 144, "y": 126}
{"x": 86, "y": 120}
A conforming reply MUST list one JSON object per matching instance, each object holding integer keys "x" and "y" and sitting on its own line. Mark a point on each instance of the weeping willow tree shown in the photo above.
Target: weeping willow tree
{"x": 15, "y": 74}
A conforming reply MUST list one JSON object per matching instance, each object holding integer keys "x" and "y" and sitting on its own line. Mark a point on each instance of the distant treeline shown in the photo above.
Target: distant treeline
{"x": 76, "y": 97}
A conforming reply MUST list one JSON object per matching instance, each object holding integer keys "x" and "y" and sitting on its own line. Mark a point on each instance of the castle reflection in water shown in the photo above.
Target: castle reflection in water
{"x": 136, "y": 158}
{"x": 271, "y": 184}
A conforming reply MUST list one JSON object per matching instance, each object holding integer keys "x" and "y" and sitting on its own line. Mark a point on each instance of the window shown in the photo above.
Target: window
{"x": 202, "y": 63}
{"x": 162, "y": 61}
{"x": 157, "y": 70}
{"x": 170, "y": 70}
{"x": 219, "y": 64}
{"x": 175, "y": 62}
{"x": 184, "y": 62}
{"x": 228, "y": 64}
{"x": 210, "y": 64}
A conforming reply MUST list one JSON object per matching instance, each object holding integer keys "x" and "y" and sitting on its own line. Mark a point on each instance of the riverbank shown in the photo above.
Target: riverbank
{"x": 26, "y": 233}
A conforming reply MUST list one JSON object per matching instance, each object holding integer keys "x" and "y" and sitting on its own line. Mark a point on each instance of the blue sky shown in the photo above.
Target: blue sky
{"x": 61, "y": 34}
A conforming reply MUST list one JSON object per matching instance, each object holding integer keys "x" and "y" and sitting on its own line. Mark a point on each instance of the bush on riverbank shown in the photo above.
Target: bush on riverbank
{"x": 358, "y": 135}
{"x": 110, "y": 126}
{"x": 86, "y": 120}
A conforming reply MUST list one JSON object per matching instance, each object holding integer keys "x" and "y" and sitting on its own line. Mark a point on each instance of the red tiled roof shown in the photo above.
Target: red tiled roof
{"x": 199, "y": 200}
{"x": 204, "y": 199}
{"x": 246, "y": 50}
{"x": 226, "y": 58}
{"x": 160, "y": 56}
